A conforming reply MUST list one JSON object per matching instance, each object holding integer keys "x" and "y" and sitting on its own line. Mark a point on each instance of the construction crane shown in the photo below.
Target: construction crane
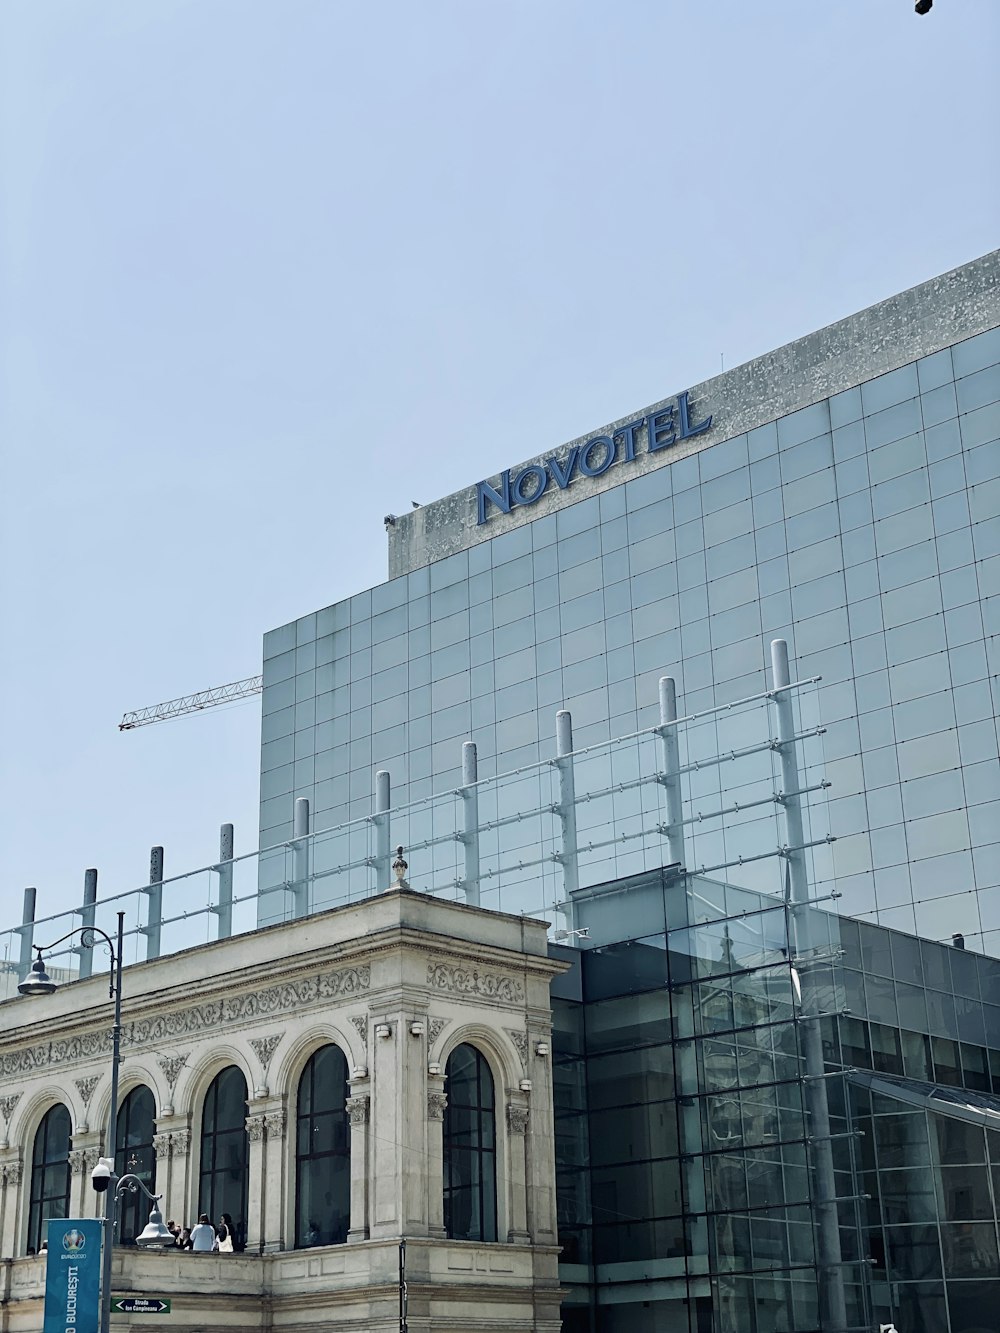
{"x": 192, "y": 703}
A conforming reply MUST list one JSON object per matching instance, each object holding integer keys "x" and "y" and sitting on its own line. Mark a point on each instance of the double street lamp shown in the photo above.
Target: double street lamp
{"x": 38, "y": 982}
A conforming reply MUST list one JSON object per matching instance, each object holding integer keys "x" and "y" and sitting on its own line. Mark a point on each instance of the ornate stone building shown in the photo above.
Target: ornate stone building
{"x": 376, "y": 1072}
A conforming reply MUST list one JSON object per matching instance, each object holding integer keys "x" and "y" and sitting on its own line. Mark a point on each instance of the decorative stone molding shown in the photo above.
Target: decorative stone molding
{"x": 172, "y": 1143}
{"x": 436, "y": 1102}
{"x": 85, "y": 1087}
{"x": 171, "y": 1066}
{"x": 265, "y": 1048}
{"x": 237, "y": 1009}
{"x": 274, "y": 1123}
{"x": 519, "y": 1038}
{"x": 78, "y": 1161}
{"x": 255, "y": 1128}
{"x": 487, "y": 985}
{"x": 517, "y": 1119}
{"x": 10, "y": 1173}
{"x": 7, "y": 1105}
{"x": 360, "y": 1022}
{"x": 358, "y": 1109}
{"x": 435, "y": 1026}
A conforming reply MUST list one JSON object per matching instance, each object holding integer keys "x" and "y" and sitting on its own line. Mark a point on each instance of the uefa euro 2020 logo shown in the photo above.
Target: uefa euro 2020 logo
{"x": 73, "y": 1241}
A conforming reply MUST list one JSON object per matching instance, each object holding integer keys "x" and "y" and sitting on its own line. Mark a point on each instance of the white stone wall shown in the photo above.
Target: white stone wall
{"x": 427, "y": 975}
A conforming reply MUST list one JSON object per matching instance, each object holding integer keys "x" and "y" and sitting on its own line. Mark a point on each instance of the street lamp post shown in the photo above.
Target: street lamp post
{"x": 154, "y": 1233}
{"x": 38, "y": 982}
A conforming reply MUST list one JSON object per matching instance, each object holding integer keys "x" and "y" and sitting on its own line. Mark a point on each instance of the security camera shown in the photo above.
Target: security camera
{"x": 101, "y": 1175}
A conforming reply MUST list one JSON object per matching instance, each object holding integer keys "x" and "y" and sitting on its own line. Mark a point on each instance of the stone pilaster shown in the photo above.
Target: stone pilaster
{"x": 359, "y": 1110}
{"x": 517, "y": 1125}
{"x": 398, "y": 1142}
{"x": 11, "y": 1174}
{"x": 437, "y": 1102}
{"x": 83, "y": 1157}
{"x": 539, "y": 1142}
{"x": 266, "y": 1206}
{"x": 172, "y": 1145}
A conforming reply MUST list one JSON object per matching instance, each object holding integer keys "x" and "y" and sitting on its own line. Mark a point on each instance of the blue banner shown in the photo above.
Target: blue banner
{"x": 73, "y": 1275}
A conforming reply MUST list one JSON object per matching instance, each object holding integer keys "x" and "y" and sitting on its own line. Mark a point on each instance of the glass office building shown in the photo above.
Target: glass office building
{"x": 684, "y": 1139}
{"x": 842, "y": 493}
{"x": 777, "y": 1107}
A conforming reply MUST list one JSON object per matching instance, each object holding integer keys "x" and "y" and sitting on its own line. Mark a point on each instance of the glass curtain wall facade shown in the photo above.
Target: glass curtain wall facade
{"x": 864, "y": 529}
{"x": 685, "y": 1143}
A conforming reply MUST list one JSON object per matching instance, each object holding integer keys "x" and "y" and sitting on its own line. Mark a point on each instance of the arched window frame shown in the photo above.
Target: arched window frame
{"x": 480, "y": 1154}
{"x": 49, "y": 1189}
{"x": 136, "y": 1158}
{"x": 328, "y": 1120}
{"x": 213, "y": 1141}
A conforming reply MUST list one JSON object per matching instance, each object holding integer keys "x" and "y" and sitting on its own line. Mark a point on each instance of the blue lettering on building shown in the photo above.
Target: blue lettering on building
{"x": 665, "y": 427}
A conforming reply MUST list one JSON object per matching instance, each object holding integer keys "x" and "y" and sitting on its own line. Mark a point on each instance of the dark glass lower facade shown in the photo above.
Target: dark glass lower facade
{"x": 693, "y": 1184}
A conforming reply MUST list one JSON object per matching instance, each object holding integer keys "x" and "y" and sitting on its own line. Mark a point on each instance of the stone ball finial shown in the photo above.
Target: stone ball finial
{"x": 400, "y": 868}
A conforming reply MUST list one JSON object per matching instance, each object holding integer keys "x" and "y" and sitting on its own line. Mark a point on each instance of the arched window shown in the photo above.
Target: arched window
{"x": 323, "y": 1151}
{"x": 49, "y": 1174}
{"x": 225, "y": 1157}
{"x": 470, "y": 1173}
{"x": 134, "y": 1155}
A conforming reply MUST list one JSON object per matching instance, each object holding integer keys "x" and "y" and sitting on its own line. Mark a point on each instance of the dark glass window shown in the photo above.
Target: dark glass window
{"x": 222, "y": 1186}
{"x": 49, "y": 1174}
{"x": 134, "y": 1155}
{"x": 323, "y": 1151}
{"x": 470, "y": 1178}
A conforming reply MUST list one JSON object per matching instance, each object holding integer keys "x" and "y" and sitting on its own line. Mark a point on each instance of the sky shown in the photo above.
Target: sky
{"x": 271, "y": 270}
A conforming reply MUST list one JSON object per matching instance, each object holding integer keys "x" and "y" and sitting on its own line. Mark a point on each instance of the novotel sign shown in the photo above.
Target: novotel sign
{"x": 664, "y": 427}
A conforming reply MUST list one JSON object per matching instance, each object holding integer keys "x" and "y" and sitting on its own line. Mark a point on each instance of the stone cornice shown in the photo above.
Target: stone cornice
{"x": 265, "y": 975}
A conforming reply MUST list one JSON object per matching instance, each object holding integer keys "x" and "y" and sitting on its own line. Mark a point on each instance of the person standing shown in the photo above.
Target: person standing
{"x": 203, "y": 1239}
{"x": 226, "y": 1234}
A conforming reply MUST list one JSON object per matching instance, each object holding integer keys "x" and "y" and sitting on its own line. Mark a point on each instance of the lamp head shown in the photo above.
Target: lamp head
{"x": 38, "y": 981}
{"x": 154, "y": 1234}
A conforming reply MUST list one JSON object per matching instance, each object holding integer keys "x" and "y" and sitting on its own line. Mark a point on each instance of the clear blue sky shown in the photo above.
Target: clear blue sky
{"x": 269, "y": 270}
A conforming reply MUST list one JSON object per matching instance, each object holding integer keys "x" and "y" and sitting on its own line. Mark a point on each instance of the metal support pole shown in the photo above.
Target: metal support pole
{"x": 470, "y": 822}
{"x": 225, "y": 881}
{"x": 834, "y": 1302}
{"x": 27, "y": 931}
{"x": 111, "y": 1143}
{"x": 85, "y": 952}
{"x": 568, "y": 856}
{"x": 154, "y": 898}
{"x": 383, "y": 839}
{"x": 671, "y": 763}
{"x": 300, "y": 858}
{"x": 403, "y": 1293}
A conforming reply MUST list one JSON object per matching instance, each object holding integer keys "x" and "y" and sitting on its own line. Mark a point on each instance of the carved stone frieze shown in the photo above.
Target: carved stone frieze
{"x": 517, "y": 1119}
{"x": 358, "y": 1109}
{"x": 360, "y": 1022}
{"x": 171, "y": 1066}
{"x": 520, "y": 1041}
{"x": 436, "y": 1102}
{"x": 265, "y": 1048}
{"x": 184, "y": 1022}
{"x": 465, "y": 981}
{"x": 7, "y": 1105}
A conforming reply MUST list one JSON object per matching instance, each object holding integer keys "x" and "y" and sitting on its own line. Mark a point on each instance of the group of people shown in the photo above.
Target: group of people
{"x": 203, "y": 1238}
